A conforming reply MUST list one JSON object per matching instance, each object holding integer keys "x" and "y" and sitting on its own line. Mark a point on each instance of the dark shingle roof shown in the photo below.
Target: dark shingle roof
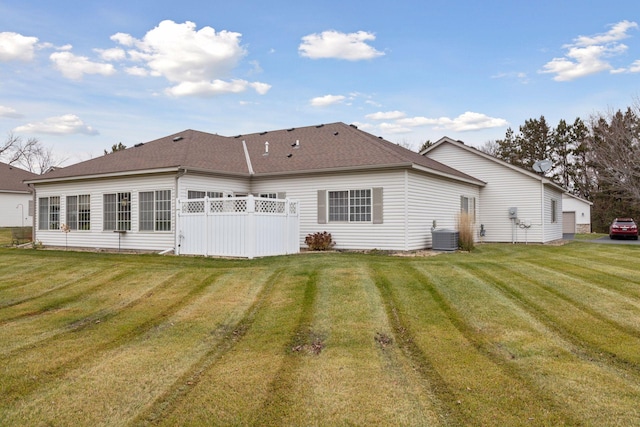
{"x": 320, "y": 148}
{"x": 11, "y": 178}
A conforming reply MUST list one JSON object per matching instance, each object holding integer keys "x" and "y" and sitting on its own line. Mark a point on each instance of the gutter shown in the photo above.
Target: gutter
{"x": 104, "y": 175}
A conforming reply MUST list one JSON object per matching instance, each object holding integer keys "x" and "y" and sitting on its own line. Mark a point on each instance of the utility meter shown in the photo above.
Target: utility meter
{"x": 513, "y": 213}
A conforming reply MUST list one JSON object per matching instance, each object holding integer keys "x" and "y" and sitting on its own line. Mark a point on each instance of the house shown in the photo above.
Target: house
{"x": 16, "y": 198}
{"x": 576, "y": 214}
{"x": 515, "y": 205}
{"x": 367, "y": 192}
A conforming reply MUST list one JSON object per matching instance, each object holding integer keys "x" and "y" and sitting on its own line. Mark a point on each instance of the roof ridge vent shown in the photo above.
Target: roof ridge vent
{"x": 263, "y": 133}
{"x": 319, "y": 126}
{"x": 178, "y": 138}
{"x": 289, "y": 130}
{"x": 353, "y": 126}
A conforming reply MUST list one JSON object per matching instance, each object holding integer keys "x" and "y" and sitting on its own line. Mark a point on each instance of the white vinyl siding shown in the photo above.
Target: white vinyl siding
{"x": 401, "y": 213}
{"x": 505, "y": 188}
{"x": 97, "y": 236}
{"x": 431, "y": 199}
{"x": 16, "y": 209}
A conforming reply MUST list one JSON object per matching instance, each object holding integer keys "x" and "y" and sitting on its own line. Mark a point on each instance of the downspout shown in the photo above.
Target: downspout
{"x": 406, "y": 210}
{"x": 33, "y": 217}
{"x": 176, "y": 248}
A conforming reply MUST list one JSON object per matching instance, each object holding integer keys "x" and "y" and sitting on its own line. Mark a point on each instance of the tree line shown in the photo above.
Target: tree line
{"x": 597, "y": 160}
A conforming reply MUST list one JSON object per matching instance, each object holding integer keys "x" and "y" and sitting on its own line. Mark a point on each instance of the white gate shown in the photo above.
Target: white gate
{"x": 245, "y": 227}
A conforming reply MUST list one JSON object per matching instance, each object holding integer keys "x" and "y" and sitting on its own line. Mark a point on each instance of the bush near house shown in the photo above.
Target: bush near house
{"x": 319, "y": 241}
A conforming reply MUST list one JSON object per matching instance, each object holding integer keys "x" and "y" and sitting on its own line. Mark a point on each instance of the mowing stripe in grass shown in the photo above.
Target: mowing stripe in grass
{"x": 229, "y": 335}
{"x": 57, "y": 301}
{"x": 610, "y": 278}
{"x": 505, "y": 395}
{"x": 58, "y": 314}
{"x": 444, "y": 397}
{"x": 279, "y": 395}
{"x": 586, "y": 347}
{"x": 116, "y": 328}
{"x": 591, "y": 392}
{"x": 563, "y": 294}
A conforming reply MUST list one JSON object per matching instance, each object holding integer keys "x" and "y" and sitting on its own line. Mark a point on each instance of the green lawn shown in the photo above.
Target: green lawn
{"x": 506, "y": 335}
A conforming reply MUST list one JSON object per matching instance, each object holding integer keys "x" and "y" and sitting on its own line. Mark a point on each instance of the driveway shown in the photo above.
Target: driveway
{"x": 605, "y": 240}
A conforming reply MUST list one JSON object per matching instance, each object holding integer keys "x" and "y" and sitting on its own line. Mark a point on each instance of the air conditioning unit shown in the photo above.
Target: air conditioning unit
{"x": 444, "y": 240}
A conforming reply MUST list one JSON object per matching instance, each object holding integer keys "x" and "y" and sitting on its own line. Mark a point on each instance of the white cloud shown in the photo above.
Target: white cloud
{"x": 323, "y": 101}
{"x": 9, "y": 112}
{"x": 216, "y": 87}
{"x": 123, "y": 39}
{"x": 333, "y": 44}
{"x": 75, "y": 67}
{"x": 590, "y": 54}
{"x": 635, "y": 67}
{"x": 16, "y": 47}
{"x": 114, "y": 54}
{"x": 62, "y": 125}
{"x": 137, "y": 71}
{"x": 618, "y": 32}
{"x": 467, "y": 121}
{"x": 394, "y": 128}
{"x": 388, "y": 115}
{"x": 197, "y": 61}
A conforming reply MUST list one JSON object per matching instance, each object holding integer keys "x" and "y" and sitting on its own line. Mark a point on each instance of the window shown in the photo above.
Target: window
{"x": 193, "y": 194}
{"x": 49, "y": 213}
{"x": 351, "y": 206}
{"x": 79, "y": 212}
{"x": 117, "y": 211}
{"x": 554, "y": 210}
{"x": 338, "y": 206}
{"x": 468, "y": 205}
{"x": 359, "y": 205}
{"x": 155, "y": 210}
{"x": 268, "y": 195}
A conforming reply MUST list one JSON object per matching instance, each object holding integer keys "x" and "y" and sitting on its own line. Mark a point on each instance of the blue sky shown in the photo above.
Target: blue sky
{"x": 82, "y": 76}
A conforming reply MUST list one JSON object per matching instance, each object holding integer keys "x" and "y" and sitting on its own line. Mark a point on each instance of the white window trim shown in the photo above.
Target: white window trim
{"x": 348, "y": 212}
{"x": 155, "y": 211}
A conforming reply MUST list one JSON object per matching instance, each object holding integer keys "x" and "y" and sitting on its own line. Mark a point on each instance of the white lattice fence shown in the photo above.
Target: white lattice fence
{"x": 238, "y": 227}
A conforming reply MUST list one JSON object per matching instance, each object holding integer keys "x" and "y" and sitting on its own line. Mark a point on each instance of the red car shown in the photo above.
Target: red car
{"x": 623, "y": 227}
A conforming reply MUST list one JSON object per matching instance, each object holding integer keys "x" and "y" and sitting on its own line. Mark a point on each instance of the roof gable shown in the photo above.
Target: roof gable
{"x": 11, "y": 179}
{"x": 462, "y": 146}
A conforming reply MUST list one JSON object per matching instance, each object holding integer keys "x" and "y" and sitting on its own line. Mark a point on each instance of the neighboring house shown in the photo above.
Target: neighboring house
{"x": 16, "y": 198}
{"x": 367, "y": 192}
{"x": 576, "y": 214}
{"x": 515, "y": 205}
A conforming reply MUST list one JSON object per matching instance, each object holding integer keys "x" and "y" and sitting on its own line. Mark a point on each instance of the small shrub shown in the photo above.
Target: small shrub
{"x": 466, "y": 239}
{"x": 319, "y": 241}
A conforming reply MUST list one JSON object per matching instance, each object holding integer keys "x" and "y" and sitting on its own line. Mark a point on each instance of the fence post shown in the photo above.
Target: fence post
{"x": 251, "y": 232}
